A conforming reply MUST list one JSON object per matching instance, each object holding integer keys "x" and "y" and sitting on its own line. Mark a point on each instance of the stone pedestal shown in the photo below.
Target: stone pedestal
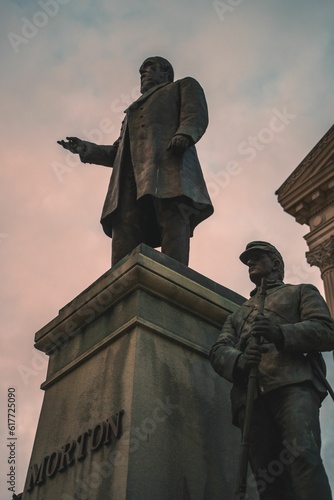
{"x": 132, "y": 408}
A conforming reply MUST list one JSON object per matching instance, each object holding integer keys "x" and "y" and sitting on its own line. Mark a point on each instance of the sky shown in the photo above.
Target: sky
{"x": 70, "y": 67}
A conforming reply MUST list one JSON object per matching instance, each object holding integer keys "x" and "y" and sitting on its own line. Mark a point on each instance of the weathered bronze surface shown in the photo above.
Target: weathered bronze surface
{"x": 285, "y": 433}
{"x": 157, "y": 194}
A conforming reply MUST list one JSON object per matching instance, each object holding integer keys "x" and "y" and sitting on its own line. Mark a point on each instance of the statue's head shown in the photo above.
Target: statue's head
{"x": 153, "y": 71}
{"x": 263, "y": 261}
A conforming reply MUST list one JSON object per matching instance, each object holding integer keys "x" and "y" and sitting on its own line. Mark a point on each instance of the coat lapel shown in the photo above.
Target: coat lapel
{"x": 144, "y": 97}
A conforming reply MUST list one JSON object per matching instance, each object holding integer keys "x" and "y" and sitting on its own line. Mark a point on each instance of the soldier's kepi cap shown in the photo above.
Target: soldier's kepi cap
{"x": 259, "y": 245}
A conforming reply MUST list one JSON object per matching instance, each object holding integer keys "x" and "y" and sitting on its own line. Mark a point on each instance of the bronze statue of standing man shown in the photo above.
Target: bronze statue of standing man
{"x": 157, "y": 194}
{"x": 285, "y": 431}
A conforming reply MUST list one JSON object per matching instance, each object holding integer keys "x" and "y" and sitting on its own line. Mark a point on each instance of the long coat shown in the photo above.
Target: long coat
{"x": 149, "y": 125}
{"x": 306, "y": 325}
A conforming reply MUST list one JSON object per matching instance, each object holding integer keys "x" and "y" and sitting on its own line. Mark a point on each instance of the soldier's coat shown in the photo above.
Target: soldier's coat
{"x": 306, "y": 324}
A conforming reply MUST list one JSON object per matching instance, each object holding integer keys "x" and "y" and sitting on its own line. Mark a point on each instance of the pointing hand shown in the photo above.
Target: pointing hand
{"x": 75, "y": 145}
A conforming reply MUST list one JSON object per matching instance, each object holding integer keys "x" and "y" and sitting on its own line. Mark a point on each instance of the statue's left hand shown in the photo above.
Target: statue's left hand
{"x": 179, "y": 144}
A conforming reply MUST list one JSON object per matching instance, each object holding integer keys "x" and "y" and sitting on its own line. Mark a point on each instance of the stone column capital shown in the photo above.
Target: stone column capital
{"x": 322, "y": 255}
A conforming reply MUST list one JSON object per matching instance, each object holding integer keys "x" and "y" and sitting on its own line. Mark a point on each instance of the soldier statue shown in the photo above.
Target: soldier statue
{"x": 285, "y": 442}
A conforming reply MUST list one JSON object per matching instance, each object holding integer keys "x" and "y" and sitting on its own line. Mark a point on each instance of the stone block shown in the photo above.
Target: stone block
{"x": 132, "y": 408}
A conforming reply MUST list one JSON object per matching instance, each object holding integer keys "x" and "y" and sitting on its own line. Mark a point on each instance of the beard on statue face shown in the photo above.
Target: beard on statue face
{"x": 146, "y": 83}
{"x": 150, "y": 76}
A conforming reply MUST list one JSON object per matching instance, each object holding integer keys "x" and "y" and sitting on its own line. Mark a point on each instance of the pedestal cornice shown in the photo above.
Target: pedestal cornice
{"x": 118, "y": 296}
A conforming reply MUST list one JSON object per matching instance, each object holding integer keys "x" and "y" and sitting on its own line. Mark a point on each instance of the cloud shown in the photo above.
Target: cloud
{"x": 81, "y": 69}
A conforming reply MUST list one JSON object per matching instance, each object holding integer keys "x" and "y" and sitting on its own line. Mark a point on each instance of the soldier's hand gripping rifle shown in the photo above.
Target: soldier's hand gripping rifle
{"x": 240, "y": 493}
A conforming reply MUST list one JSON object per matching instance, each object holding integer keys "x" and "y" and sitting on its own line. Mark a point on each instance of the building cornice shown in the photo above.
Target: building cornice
{"x": 310, "y": 187}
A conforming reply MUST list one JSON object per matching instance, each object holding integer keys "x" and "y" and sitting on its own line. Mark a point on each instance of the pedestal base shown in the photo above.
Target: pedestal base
{"x": 132, "y": 408}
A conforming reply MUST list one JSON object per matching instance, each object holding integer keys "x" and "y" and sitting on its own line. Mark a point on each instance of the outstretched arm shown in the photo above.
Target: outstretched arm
{"x": 90, "y": 152}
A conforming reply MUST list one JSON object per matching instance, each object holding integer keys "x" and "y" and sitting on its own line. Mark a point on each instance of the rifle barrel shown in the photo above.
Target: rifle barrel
{"x": 241, "y": 488}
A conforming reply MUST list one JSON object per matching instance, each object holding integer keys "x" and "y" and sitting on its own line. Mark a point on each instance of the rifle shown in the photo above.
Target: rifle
{"x": 240, "y": 493}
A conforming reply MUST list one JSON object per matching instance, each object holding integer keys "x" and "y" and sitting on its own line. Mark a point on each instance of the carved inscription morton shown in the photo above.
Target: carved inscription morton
{"x": 76, "y": 450}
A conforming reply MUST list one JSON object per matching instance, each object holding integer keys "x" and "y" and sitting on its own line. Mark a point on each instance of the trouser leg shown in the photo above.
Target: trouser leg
{"x": 285, "y": 445}
{"x": 269, "y": 474}
{"x": 128, "y": 220}
{"x": 296, "y": 411}
{"x": 174, "y": 228}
